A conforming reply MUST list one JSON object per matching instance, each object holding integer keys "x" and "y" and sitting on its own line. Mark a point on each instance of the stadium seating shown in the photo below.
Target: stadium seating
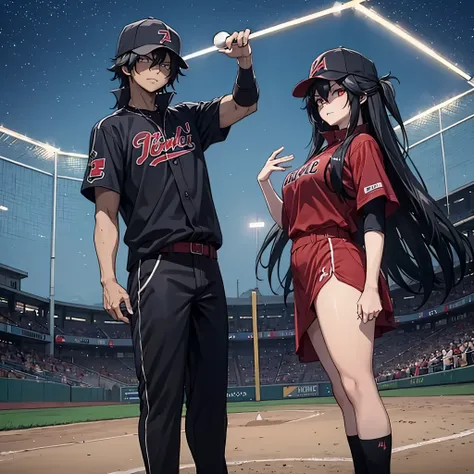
{"x": 400, "y": 353}
{"x": 26, "y": 363}
{"x": 405, "y": 303}
{"x": 82, "y": 329}
{"x": 447, "y": 348}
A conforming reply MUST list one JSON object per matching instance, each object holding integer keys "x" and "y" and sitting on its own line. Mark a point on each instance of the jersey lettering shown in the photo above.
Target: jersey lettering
{"x": 96, "y": 169}
{"x": 372, "y": 187}
{"x": 310, "y": 168}
{"x": 155, "y": 146}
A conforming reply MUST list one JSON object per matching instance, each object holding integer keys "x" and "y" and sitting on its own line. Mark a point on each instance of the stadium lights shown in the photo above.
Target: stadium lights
{"x": 256, "y": 225}
{"x": 336, "y": 9}
{"x": 435, "y": 108}
{"x": 24, "y": 138}
{"x": 413, "y": 41}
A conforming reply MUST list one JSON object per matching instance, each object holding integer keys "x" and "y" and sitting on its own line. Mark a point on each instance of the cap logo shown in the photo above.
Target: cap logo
{"x": 166, "y": 36}
{"x": 316, "y": 67}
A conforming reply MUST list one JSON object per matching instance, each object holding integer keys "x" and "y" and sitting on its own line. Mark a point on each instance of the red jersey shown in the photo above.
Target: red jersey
{"x": 310, "y": 205}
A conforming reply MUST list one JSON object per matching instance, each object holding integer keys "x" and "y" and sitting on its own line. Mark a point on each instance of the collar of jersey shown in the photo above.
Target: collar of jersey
{"x": 162, "y": 101}
{"x": 334, "y": 136}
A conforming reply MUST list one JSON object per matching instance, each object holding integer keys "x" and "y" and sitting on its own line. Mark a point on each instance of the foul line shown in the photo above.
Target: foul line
{"x": 434, "y": 441}
{"x": 271, "y": 411}
{"x": 58, "y": 427}
{"x": 71, "y": 443}
{"x": 301, "y": 419}
{"x": 396, "y": 450}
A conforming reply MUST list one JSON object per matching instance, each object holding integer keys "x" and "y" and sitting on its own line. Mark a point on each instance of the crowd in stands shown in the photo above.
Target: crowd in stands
{"x": 447, "y": 348}
{"x": 407, "y": 304}
{"x": 109, "y": 367}
{"x": 273, "y": 323}
{"x": 403, "y": 304}
{"x": 27, "y": 320}
{"x": 397, "y": 355}
{"x": 115, "y": 331}
{"x": 278, "y": 364}
{"x": 81, "y": 329}
{"x": 43, "y": 366}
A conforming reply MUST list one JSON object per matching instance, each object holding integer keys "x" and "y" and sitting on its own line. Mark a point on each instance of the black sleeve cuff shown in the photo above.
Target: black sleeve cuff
{"x": 374, "y": 215}
{"x": 246, "y": 92}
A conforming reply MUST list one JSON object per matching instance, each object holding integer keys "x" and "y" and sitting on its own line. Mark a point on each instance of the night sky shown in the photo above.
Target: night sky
{"x": 55, "y": 86}
{"x": 54, "y": 53}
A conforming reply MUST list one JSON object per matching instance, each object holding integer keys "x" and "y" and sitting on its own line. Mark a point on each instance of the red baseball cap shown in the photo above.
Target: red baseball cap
{"x": 336, "y": 64}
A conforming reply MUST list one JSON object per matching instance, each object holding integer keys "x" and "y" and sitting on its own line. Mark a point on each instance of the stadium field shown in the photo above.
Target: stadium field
{"x": 431, "y": 434}
{"x": 32, "y": 418}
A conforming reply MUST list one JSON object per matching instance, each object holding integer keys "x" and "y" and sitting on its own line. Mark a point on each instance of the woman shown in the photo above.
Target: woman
{"x": 350, "y": 201}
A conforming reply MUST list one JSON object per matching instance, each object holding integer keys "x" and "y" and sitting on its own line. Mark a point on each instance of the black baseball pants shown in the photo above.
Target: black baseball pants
{"x": 180, "y": 339}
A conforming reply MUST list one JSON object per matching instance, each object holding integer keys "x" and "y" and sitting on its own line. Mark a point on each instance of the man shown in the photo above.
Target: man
{"x": 147, "y": 161}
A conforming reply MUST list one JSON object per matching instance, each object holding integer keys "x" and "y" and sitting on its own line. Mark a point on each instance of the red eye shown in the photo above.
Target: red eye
{"x": 341, "y": 92}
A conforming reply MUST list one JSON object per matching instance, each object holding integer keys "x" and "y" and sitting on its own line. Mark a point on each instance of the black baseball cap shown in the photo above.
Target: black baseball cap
{"x": 144, "y": 36}
{"x": 335, "y": 64}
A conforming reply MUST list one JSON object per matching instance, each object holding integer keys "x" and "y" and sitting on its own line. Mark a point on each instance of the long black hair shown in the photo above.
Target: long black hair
{"x": 419, "y": 231}
{"x": 129, "y": 60}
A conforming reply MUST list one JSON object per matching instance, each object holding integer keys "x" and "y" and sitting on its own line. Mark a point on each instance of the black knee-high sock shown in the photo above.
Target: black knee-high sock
{"x": 358, "y": 455}
{"x": 378, "y": 454}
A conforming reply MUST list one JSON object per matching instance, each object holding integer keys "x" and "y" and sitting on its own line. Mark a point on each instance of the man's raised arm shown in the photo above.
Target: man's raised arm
{"x": 243, "y": 100}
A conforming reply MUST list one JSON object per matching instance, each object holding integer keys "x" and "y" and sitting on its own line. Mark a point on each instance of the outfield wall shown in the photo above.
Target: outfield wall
{"x": 323, "y": 389}
{"x": 247, "y": 394}
{"x": 21, "y": 391}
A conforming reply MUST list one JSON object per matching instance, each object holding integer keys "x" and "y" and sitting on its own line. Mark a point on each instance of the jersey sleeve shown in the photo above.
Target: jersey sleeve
{"x": 285, "y": 223}
{"x": 105, "y": 167}
{"x": 368, "y": 174}
{"x": 207, "y": 121}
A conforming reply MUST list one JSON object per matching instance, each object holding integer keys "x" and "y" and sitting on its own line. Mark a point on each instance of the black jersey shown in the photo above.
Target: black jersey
{"x": 155, "y": 161}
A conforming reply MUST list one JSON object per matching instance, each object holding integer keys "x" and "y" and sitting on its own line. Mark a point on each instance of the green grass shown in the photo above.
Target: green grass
{"x": 30, "y": 418}
{"x": 33, "y": 418}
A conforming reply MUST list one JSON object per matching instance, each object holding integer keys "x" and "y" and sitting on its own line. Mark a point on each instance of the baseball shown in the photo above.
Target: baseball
{"x": 219, "y": 39}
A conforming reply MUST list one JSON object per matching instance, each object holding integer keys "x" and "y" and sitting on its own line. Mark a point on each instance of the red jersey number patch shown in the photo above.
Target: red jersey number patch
{"x": 96, "y": 170}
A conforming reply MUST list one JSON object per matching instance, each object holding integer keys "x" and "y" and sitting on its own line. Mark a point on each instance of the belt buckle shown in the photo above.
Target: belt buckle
{"x": 193, "y": 246}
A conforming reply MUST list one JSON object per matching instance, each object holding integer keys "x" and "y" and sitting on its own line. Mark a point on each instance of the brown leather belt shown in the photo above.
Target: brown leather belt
{"x": 328, "y": 232}
{"x": 194, "y": 248}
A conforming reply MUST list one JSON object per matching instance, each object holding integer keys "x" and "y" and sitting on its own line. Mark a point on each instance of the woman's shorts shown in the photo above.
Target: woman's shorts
{"x": 314, "y": 260}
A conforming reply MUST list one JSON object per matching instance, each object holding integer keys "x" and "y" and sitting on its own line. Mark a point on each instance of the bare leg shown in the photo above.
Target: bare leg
{"x": 350, "y": 344}
{"x": 348, "y": 414}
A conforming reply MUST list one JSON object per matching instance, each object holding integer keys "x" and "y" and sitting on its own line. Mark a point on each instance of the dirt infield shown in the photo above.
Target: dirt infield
{"x": 41, "y": 405}
{"x": 431, "y": 435}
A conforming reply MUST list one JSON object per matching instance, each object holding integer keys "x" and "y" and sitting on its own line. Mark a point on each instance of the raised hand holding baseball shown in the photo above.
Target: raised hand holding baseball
{"x": 236, "y": 45}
